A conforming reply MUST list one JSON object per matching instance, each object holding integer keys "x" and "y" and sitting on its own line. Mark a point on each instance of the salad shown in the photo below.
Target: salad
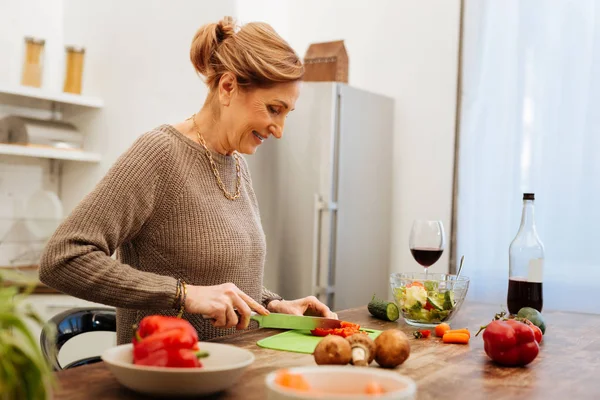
{"x": 429, "y": 301}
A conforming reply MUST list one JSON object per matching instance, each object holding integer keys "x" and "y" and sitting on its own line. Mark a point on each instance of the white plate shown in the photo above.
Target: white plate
{"x": 344, "y": 383}
{"x": 220, "y": 371}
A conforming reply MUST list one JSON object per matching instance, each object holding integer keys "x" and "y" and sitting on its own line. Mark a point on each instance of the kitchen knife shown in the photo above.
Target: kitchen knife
{"x": 287, "y": 321}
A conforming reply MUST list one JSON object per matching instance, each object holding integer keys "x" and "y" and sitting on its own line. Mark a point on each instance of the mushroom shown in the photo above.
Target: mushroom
{"x": 363, "y": 349}
{"x": 393, "y": 348}
{"x": 333, "y": 349}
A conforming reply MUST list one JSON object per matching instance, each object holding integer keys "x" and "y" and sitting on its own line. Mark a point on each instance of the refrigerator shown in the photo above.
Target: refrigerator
{"x": 325, "y": 196}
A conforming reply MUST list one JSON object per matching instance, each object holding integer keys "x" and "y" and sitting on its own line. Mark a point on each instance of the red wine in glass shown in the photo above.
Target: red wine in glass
{"x": 426, "y": 257}
{"x": 427, "y": 241}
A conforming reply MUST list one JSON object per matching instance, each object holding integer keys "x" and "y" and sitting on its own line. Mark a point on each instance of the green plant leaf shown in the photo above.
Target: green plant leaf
{"x": 24, "y": 372}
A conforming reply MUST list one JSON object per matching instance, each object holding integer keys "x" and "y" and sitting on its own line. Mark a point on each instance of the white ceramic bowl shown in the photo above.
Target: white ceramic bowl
{"x": 221, "y": 369}
{"x": 344, "y": 383}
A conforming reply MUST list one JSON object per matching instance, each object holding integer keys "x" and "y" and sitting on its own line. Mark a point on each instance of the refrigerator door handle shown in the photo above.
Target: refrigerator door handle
{"x": 316, "y": 240}
{"x": 318, "y": 208}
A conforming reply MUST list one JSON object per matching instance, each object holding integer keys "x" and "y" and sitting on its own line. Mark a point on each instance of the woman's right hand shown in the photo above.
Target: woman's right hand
{"x": 219, "y": 303}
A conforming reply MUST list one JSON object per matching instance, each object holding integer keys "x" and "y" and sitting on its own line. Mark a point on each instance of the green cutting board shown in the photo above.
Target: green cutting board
{"x": 299, "y": 341}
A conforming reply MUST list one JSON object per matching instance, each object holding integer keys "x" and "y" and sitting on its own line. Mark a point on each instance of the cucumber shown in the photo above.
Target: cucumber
{"x": 436, "y": 304}
{"x": 449, "y": 300}
{"x": 384, "y": 310}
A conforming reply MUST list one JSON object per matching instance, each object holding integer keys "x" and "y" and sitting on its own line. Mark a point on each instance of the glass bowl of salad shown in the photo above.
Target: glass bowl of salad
{"x": 428, "y": 300}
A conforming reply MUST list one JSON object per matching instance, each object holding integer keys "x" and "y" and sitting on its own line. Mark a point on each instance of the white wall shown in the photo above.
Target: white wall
{"x": 20, "y": 177}
{"x": 37, "y": 18}
{"x": 137, "y": 60}
{"x": 407, "y": 50}
{"x": 276, "y": 13}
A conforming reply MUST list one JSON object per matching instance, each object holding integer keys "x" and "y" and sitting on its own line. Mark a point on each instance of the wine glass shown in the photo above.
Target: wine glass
{"x": 427, "y": 241}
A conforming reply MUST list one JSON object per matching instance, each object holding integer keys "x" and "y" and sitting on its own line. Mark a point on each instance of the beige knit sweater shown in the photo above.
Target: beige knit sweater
{"x": 160, "y": 209}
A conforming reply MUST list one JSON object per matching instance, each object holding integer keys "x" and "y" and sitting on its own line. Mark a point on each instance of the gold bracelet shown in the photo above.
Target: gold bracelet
{"x": 177, "y": 293}
{"x": 182, "y": 303}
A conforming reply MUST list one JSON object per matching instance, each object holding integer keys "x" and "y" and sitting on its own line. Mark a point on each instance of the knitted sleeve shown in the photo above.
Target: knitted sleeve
{"x": 77, "y": 259}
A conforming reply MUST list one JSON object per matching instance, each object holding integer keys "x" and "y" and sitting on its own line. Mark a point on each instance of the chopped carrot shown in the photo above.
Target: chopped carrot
{"x": 374, "y": 388}
{"x": 415, "y": 283}
{"x": 441, "y": 329}
{"x": 292, "y": 381}
{"x": 459, "y": 338}
{"x": 466, "y": 331}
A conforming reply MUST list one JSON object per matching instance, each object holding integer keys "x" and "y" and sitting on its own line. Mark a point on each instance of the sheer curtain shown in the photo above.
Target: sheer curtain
{"x": 530, "y": 122}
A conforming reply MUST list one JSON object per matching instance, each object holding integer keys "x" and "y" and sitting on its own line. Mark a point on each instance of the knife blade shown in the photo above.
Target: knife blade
{"x": 288, "y": 321}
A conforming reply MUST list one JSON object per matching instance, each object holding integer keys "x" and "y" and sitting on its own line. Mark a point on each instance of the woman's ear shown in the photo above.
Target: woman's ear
{"x": 227, "y": 88}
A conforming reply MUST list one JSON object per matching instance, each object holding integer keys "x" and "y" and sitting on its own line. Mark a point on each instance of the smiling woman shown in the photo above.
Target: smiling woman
{"x": 178, "y": 207}
{"x": 253, "y": 77}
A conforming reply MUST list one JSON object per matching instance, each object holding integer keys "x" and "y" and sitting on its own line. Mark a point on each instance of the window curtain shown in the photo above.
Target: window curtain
{"x": 530, "y": 122}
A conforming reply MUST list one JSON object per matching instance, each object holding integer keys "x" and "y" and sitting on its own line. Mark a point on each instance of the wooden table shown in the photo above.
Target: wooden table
{"x": 567, "y": 366}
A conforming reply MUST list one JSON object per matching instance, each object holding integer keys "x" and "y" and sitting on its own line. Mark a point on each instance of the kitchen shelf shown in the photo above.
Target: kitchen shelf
{"x": 26, "y": 92}
{"x": 49, "y": 152}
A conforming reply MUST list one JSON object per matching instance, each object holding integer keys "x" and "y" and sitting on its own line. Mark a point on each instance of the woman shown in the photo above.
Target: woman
{"x": 178, "y": 207}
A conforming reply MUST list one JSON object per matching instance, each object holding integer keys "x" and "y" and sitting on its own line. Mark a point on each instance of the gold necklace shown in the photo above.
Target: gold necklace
{"x": 228, "y": 195}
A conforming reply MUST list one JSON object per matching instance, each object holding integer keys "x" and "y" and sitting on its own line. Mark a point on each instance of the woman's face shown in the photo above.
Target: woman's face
{"x": 252, "y": 116}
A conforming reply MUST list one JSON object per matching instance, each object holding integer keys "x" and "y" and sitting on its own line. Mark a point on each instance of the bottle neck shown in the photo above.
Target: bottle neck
{"x": 527, "y": 222}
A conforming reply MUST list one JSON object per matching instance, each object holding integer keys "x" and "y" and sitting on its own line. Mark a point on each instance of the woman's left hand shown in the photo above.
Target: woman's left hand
{"x": 305, "y": 306}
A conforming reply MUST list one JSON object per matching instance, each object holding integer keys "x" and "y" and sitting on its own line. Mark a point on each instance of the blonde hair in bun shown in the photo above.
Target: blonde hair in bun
{"x": 255, "y": 54}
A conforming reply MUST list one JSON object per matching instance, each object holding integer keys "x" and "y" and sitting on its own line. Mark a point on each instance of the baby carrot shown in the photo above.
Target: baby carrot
{"x": 466, "y": 331}
{"x": 441, "y": 329}
{"x": 374, "y": 387}
{"x": 460, "y": 338}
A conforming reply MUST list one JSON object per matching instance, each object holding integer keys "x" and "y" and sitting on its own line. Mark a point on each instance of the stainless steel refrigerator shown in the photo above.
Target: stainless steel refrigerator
{"x": 325, "y": 196}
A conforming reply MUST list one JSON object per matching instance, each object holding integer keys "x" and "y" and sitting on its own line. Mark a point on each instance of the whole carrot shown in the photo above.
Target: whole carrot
{"x": 458, "y": 338}
{"x": 441, "y": 329}
{"x": 465, "y": 331}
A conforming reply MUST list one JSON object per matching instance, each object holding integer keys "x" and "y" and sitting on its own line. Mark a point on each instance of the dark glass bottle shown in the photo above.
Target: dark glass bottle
{"x": 526, "y": 263}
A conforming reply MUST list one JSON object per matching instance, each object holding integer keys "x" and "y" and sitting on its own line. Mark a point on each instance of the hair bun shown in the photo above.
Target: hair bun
{"x": 255, "y": 54}
{"x": 205, "y": 43}
{"x": 225, "y": 29}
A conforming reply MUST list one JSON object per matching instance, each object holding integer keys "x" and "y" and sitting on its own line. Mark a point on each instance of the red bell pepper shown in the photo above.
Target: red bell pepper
{"x": 166, "y": 342}
{"x": 175, "y": 358}
{"x": 346, "y": 329}
{"x": 160, "y": 323}
{"x": 173, "y": 339}
{"x": 510, "y": 343}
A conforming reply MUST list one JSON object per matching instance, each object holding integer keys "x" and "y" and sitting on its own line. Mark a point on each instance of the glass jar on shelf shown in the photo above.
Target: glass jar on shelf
{"x": 33, "y": 62}
{"x": 73, "y": 69}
